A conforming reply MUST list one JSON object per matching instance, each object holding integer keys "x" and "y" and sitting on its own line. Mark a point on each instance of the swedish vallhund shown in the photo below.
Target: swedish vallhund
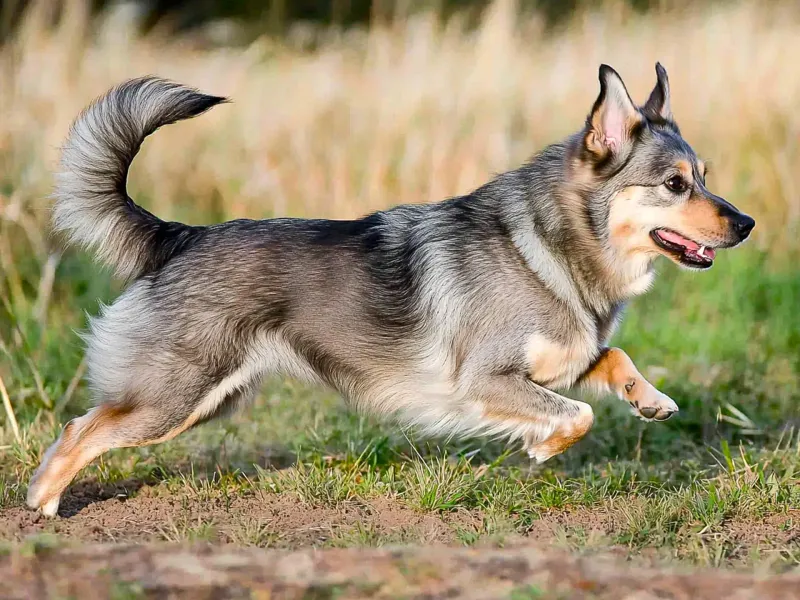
{"x": 468, "y": 316}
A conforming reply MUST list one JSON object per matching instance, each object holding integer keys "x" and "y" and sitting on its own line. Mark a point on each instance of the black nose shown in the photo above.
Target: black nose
{"x": 744, "y": 225}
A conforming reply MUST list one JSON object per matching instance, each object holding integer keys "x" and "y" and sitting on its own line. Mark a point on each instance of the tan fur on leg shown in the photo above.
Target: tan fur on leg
{"x": 615, "y": 372}
{"x": 565, "y": 435}
{"x": 82, "y": 440}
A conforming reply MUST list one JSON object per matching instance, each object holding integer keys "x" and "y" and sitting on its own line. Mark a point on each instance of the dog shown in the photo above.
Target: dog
{"x": 469, "y": 316}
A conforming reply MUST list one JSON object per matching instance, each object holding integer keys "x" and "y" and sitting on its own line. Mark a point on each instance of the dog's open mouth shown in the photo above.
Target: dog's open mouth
{"x": 688, "y": 252}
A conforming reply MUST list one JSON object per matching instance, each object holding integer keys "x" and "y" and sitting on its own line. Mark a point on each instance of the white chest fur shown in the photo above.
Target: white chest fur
{"x": 558, "y": 365}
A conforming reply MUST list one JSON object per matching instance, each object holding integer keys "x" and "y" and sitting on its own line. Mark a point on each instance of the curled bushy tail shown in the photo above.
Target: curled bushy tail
{"x": 92, "y": 204}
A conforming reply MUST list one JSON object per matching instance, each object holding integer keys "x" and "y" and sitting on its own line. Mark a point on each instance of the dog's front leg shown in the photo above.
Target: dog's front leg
{"x": 615, "y": 372}
{"x": 547, "y": 422}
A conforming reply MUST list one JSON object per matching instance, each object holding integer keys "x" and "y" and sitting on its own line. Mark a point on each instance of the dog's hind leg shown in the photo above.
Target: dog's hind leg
{"x": 615, "y": 372}
{"x": 547, "y": 422}
{"x": 122, "y": 424}
{"x": 82, "y": 440}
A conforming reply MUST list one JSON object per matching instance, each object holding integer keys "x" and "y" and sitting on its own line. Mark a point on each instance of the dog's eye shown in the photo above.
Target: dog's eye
{"x": 676, "y": 184}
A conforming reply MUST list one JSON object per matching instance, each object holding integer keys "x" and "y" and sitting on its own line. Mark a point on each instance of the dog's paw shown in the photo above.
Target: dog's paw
{"x": 564, "y": 434}
{"x": 39, "y": 498}
{"x": 540, "y": 454}
{"x": 648, "y": 403}
{"x": 50, "y": 508}
{"x": 651, "y": 413}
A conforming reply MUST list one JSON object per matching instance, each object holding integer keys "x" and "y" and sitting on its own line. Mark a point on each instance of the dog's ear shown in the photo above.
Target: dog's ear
{"x": 614, "y": 118}
{"x": 657, "y": 106}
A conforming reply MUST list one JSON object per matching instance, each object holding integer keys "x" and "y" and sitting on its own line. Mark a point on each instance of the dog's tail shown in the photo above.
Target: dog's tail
{"x": 92, "y": 204}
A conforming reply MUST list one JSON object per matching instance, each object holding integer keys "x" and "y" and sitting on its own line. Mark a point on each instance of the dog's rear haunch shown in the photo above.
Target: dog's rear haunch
{"x": 463, "y": 317}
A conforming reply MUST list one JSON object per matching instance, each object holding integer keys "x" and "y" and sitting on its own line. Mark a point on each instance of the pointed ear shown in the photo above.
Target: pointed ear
{"x": 657, "y": 105}
{"x": 613, "y": 119}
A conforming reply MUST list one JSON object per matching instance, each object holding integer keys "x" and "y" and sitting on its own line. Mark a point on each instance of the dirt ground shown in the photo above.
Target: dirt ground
{"x": 141, "y": 512}
{"x": 92, "y": 512}
{"x": 136, "y": 539}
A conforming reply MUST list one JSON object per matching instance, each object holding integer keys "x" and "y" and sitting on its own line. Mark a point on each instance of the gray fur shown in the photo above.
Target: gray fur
{"x": 92, "y": 206}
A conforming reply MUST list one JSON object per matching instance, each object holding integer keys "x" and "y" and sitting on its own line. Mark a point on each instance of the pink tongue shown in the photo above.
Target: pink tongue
{"x": 691, "y": 247}
{"x": 673, "y": 237}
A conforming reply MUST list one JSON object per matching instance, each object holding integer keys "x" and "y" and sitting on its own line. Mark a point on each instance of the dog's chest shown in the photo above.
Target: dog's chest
{"x": 557, "y": 364}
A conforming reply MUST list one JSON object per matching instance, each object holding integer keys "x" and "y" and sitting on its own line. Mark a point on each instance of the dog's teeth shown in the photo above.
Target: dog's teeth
{"x": 702, "y": 251}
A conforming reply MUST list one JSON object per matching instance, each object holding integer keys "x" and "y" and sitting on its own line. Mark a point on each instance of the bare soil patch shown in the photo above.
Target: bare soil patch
{"x": 136, "y": 512}
{"x": 206, "y": 532}
{"x": 145, "y": 511}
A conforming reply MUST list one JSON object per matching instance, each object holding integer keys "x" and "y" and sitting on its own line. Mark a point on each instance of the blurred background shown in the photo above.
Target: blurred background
{"x": 342, "y": 107}
{"x": 255, "y": 17}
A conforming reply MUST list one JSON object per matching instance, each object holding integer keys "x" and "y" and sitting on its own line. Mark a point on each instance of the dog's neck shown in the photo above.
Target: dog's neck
{"x": 607, "y": 277}
{"x": 554, "y": 229}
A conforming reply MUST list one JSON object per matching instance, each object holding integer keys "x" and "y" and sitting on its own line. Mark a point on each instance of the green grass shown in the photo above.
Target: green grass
{"x": 723, "y": 344}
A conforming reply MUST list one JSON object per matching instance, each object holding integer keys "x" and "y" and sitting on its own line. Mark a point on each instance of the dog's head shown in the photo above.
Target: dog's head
{"x": 650, "y": 182}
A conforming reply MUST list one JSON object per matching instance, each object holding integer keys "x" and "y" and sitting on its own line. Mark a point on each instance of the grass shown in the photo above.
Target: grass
{"x": 416, "y": 111}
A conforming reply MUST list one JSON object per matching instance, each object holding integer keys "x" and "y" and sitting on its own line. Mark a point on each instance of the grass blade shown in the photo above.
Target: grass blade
{"x": 10, "y": 411}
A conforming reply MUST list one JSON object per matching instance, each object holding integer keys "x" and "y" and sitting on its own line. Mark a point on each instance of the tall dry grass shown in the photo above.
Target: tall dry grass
{"x": 412, "y": 112}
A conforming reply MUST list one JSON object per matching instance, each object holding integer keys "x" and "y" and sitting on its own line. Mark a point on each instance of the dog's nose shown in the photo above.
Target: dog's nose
{"x": 744, "y": 225}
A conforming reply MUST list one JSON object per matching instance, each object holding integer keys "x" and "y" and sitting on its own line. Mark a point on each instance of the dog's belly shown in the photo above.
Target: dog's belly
{"x": 557, "y": 365}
